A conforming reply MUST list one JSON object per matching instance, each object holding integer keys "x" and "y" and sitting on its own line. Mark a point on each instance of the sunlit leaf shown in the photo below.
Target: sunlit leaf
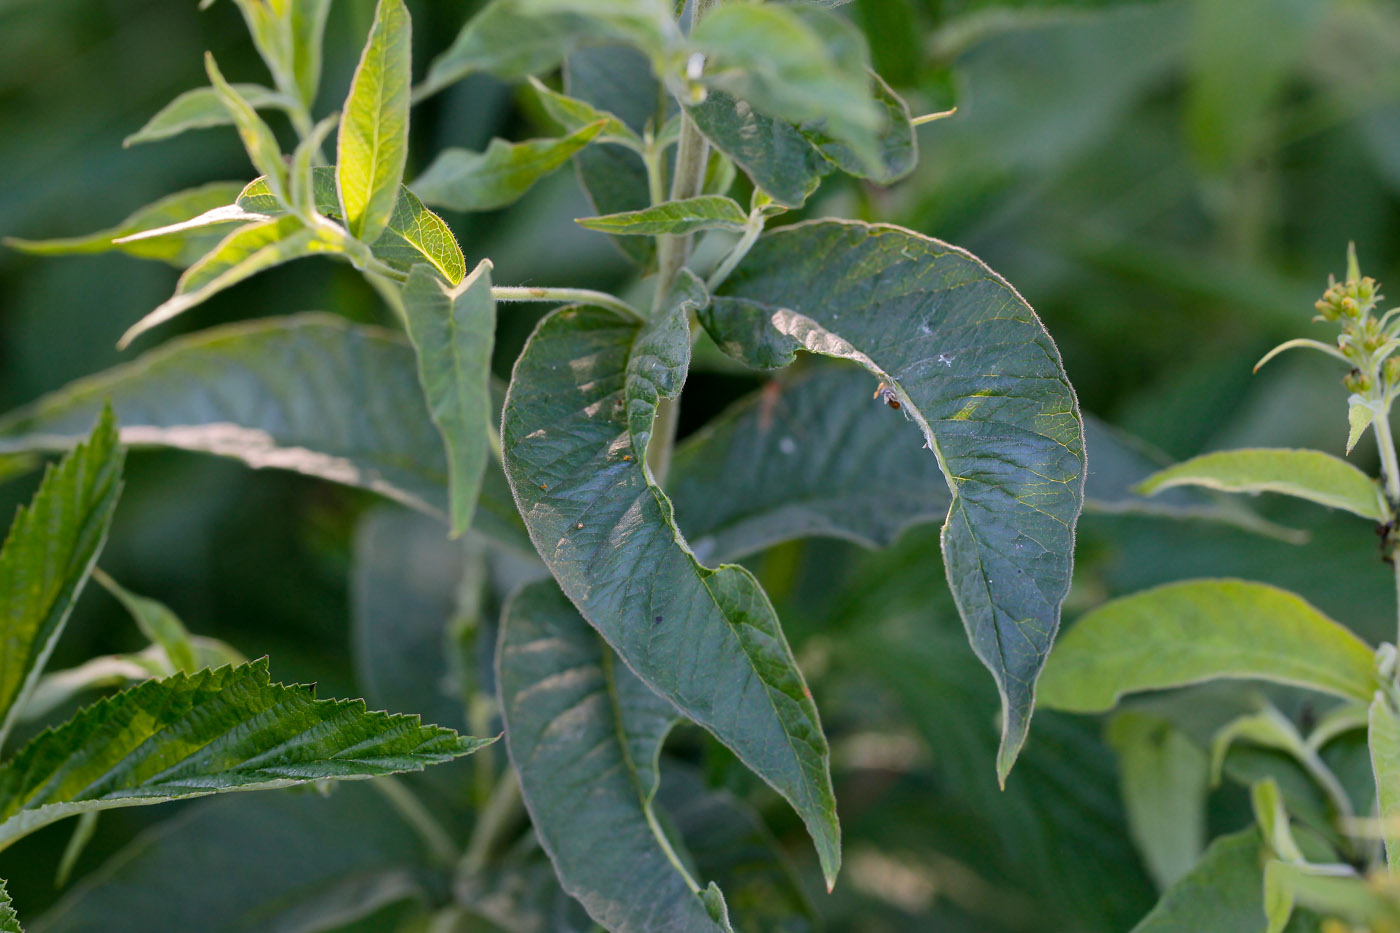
{"x": 201, "y": 108}
{"x": 308, "y": 26}
{"x": 257, "y": 138}
{"x": 706, "y": 212}
{"x": 372, "y": 148}
{"x": 481, "y": 181}
{"x": 1185, "y": 633}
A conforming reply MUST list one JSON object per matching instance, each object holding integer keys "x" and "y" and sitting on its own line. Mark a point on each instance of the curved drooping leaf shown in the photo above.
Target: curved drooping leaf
{"x": 414, "y": 234}
{"x": 1185, "y": 633}
{"x": 321, "y": 861}
{"x": 201, "y": 108}
{"x": 257, "y": 136}
{"x": 772, "y": 152}
{"x": 573, "y": 114}
{"x": 48, "y": 554}
{"x": 706, "y": 212}
{"x": 229, "y": 729}
{"x": 1308, "y": 474}
{"x": 452, "y": 329}
{"x": 9, "y": 921}
{"x": 482, "y": 181}
{"x": 575, "y": 717}
{"x": 178, "y": 248}
{"x": 970, "y": 363}
{"x": 897, "y": 145}
{"x": 577, "y": 422}
{"x": 157, "y": 622}
{"x": 372, "y": 148}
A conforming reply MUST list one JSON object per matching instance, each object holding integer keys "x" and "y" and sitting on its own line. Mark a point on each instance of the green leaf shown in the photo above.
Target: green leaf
{"x": 321, "y": 860}
{"x": 575, "y": 717}
{"x": 452, "y": 329}
{"x": 971, "y": 365}
{"x": 1269, "y": 813}
{"x": 897, "y": 144}
{"x": 242, "y": 254}
{"x": 372, "y": 148}
{"x": 47, "y": 556}
{"x": 308, "y": 28}
{"x": 1163, "y": 775}
{"x": 1308, "y": 474}
{"x": 573, "y": 114}
{"x": 482, "y": 181}
{"x": 213, "y": 731}
{"x": 201, "y": 108}
{"x": 1222, "y": 892}
{"x": 1360, "y": 414}
{"x": 178, "y": 249}
{"x": 414, "y": 233}
{"x": 257, "y": 138}
{"x": 773, "y": 153}
{"x": 577, "y": 422}
{"x": 706, "y": 212}
{"x": 1383, "y": 738}
{"x": 1185, "y": 633}
{"x": 157, "y": 622}
{"x": 302, "y": 182}
{"x": 9, "y": 921}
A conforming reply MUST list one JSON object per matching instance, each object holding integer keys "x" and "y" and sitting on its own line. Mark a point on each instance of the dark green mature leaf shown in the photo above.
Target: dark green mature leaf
{"x": 575, "y": 717}
{"x": 452, "y": 329}
{"x": 897, "y": 144}
{"x": 577, "y": 421}
{"x": 481, "y": 181}
{"x": 1225, "y": 891}
{"x": 969, "y": 361}
{"x": 414, "y": 234}
{"x": 706, "y": 212}
{"x": 1197, "y": 630}
{"x": 772, "y": 152}
{"x": 201, "y": 108}
{"x": 321, "y": 861}
{"x": 48, "y": 553}
{"x": 9, "y": 922}
{"x": 179, "y": 249}
{"x": 372, "y": 148}
{"x": 191, "y": 735}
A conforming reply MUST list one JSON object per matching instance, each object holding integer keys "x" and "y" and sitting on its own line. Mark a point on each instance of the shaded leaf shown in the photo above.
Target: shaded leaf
{"x": 573, "y": 114}
{"x": 481, "y": 181}
{"x": 213, "y": 731}
{"x": 1184, "y": 633}
{"x": 897, "y": 145}
{"x": 157, "y": 622}
{"x": 257, "y": 138}
{"x": 706, "y": 212}
{"x": 1224, "y": 891}
{"x": 452, "y": 329}
{"x": 308, "y": 27}
{"x": 1308, "y": 474}
{"x": 179, "y": 249}
{"x": 577, "y": 422}
{"x": 773, "y": 153}
{"x": 576, "y": 717}
{"x": 970, "y": 363}
{"x": 1383, "y": 738}
{"x": 48, "y": 553}
{"x": 372, "y": 148}
{"x": 201, "y": 108}
{"x": 9, "y": 922}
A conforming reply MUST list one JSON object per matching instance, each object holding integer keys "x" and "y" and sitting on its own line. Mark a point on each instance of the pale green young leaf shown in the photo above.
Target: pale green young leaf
{"x": 575, "y": 716}
{"x": 1360, "y": 414}
{"x": 1224, "y": 891}
{"x": 1269, "y": 812}
{"x": 257, "y": 137}
{"x": 577, "y": 422}
{"x": 1162, "y": 774}
{"x": 706, "y": 212}
{"x": 1383, "y": 738}
{"x": 269, "y": 25}
{"x": 1307, "y": 474}
{"x": 453, "y": 329}
{"x": 573, "y": 114}
{"x": 372, "y": 148}
{"x": 772, "y": 152}
{"x": 243, "y": 253}
{"x": 217, "y": 218}
{"x": 201, "y": 108}
{"x": 303, "y": 168}
{"x": 47, "y": 555}
{"x": 308, "y": 27}
{"x": 9, "y": 921}
{"x": 970, "y": 364}
{"x": 157, "y": 622}
{"x": 414, "y": 234}
{"x": 177, "y": 248}
{"x": 229, "y": 729}
{"x": 481, "y": 181}
{"x": 1185, "y": 633}
{"x": 1268, "y": 728}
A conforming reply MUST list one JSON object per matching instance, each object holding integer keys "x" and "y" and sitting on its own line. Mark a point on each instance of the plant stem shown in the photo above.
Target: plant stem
{"x": 565, "y": 295}
{"x": 1391, "y": 473}
{"x": 408, "y": 806}
{"x": 740, "y": 250}
{"x": 493, "y": 822}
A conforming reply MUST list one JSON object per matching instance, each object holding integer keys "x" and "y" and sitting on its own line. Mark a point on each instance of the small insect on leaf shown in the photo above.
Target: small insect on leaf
{"x": 885, "y": 393}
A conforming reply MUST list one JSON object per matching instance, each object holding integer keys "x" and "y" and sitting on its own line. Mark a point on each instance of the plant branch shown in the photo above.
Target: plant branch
{"x": 565, "y": 295}
{"x": 493, "y": 822}
{"x": 411, "y": 809}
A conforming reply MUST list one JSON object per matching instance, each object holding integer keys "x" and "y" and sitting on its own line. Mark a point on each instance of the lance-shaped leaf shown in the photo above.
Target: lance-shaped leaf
{"x": 1383, "y": 738}
{"x": 372, "y": 148}
{"x": 1308, "y": 474}
{"x": 308, "y": 28}
{"x": 577, "y": 718}
{"x": 322, "y": 860}
{"x": 242, "y": 254}
{"x": 9, "y": 920}
{"x": 481, "y": 181}
{"x": 157, "y": 622}
{"x": 414, "y": 233}
{"x": 47, "y": 557}
{"x": 179, "y": 248}
{"x": 967, "y": 359}
{"x": 706, "y": 212}
{"x": 257, "y": 137}
{"x": 577, "y": 421}
{"x": 573, "y": 114}
{"x": 453, "y": 329}
{"x": 1185, "y": 633}
{"x": 772, "y": 152}
{"x": 201, "y": 108}
{"x": 190, "y": 735}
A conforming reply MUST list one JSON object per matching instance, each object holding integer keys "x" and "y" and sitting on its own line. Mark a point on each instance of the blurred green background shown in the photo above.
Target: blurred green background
{"x": 1168, "y": 183}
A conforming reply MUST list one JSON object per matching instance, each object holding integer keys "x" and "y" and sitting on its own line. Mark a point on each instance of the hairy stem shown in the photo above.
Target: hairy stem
{"x": 566, "y": 295}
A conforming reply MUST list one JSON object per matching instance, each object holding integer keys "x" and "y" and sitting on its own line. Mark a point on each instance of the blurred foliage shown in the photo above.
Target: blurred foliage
{"x": 1167, "y": 183}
